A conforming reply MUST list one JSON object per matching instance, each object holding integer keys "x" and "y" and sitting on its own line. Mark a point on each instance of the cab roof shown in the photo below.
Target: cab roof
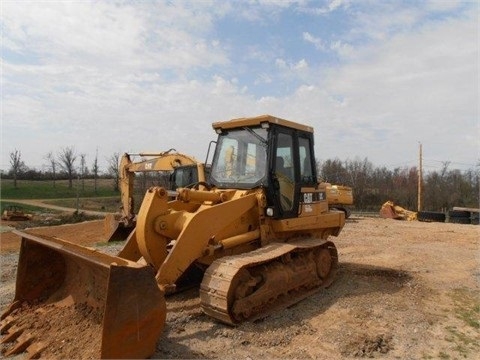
{"x": 257, "y": 121}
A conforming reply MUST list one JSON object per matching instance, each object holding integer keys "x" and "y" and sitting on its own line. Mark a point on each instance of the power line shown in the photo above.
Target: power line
{"x": 451, "y": 162}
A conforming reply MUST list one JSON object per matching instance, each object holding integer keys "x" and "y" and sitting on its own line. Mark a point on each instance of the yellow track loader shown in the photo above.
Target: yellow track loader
{"x": 255, "y": 237}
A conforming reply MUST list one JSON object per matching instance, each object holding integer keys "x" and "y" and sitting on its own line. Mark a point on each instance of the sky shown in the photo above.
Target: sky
{"x": 374, "y": 78}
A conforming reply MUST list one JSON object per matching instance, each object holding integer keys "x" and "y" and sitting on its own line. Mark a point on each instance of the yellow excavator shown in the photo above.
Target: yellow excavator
{"x": 256, "y": 235}
{"x": 183, "y": 171}
{"x": 340, "y": 197}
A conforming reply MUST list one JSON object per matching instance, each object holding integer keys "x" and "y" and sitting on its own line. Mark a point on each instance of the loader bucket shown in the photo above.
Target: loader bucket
{"x": 387, "y": 211}
{"x": 75, "y": 302}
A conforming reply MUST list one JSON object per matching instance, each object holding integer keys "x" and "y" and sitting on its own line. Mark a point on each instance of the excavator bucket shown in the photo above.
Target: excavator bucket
{"x": 76, "y": 302}
{"x": 116, "y": 230}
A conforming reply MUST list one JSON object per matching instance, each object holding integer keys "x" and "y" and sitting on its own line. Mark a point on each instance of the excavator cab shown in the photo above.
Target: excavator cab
{"x": 275, "y": 156}
{"x": 183, "y": 176}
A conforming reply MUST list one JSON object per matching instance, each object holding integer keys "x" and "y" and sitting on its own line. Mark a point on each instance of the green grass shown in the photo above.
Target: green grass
{"x": 467, "y": 309}
{"x": 26, "y": 208}
{"x": 467, "y": 306}
{"x": 55, "y": 217}
{"x": 33, "y": 189}
{"x": 58, "y": 219}
{"x": 107, "y": 204}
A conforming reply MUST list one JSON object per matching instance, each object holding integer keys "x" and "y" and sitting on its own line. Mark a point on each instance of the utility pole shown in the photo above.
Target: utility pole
{"x": 78, "y": 194}
{"x": 420, "y": 179}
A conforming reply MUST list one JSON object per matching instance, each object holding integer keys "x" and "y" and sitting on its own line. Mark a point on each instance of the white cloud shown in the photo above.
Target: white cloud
{"x": 380, "y": 22}
{"x": 97, "y": 74}
{"x": 342, "y": 49}
{"x": 58, "y": 30}
{"x": 335, "y": 4}
{"x": 300, "y": 65}
{"x": 442, "y": 5}
{"x": 296, "y": 66}
{"x": 281, "y": 64}
{"x": 317, "y": 42}
{"x": 263, "y": 79}
{"x": 153, "y": 76}
{"x": 151, "y": 35}
{"x": 330, "y": 7}
{"x": 419, "y": 83}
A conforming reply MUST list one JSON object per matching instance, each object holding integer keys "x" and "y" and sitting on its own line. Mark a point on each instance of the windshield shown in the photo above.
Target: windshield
{"x": 240, "y": 158}
{"x": 184, "y": 176}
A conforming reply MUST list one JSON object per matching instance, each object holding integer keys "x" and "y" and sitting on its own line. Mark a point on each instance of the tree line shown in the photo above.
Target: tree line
{"x": 62, "y": 166}
{"x": 372, "y": 186}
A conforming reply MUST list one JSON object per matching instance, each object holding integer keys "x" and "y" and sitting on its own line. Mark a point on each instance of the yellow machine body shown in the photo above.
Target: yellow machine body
{"x": 254, "y": 238}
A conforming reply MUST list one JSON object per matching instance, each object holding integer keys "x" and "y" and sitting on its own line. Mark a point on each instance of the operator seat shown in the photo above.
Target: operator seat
{"x": 286, "y": 184}
{"x": 280, "y": 166}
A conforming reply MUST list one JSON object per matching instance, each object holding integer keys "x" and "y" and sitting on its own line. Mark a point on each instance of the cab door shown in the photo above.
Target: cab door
{"x": 293, "y": 168}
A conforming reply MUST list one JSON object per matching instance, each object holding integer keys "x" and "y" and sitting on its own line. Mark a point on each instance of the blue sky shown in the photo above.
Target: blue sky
{"x": 374, "y": 78}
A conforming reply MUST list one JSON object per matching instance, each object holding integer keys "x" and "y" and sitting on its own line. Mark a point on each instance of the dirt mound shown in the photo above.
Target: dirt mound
{"x": 86, "y": 233}
{"x": 77, "y": 334}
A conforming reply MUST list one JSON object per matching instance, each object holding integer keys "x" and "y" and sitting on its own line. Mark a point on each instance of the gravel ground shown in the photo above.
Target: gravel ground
{"x": 405, "y": 290}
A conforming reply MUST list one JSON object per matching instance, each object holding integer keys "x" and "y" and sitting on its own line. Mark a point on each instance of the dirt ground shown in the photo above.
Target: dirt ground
{"x": 404, "y": 290}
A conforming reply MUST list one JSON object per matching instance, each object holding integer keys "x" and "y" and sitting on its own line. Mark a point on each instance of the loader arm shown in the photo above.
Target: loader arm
{"x": 192, "y": 231}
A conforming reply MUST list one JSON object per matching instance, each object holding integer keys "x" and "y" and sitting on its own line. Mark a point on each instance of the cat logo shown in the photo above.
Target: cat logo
{"x": 307, "y": 198}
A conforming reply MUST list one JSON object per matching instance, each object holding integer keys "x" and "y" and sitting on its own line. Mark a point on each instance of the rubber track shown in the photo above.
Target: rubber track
{"x": 217, "y": 281}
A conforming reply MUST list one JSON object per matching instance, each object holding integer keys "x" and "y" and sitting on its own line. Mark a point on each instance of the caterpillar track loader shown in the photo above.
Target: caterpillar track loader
{"x": 257, "y": 233}
{"x": 183, "y": 169}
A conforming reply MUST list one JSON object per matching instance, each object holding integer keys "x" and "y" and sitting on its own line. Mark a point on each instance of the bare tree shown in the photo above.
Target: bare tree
{"x": 83, "y": 168}
{"x": 52, "y": 163}
{"x": 113, "y": 169}
{"x": 17, "y": 165}
{"x": 360, "y": 173}
{"x": 66, "y": 160}
{"x": 332, "y": 171}
{"x": 95, "y": 172}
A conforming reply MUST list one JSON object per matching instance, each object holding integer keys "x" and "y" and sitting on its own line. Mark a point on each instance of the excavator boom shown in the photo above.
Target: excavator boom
{"x": 184, "y": 170}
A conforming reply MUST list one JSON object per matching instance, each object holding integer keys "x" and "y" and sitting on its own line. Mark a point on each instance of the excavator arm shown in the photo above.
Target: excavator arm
{"x": 170, "y": 160}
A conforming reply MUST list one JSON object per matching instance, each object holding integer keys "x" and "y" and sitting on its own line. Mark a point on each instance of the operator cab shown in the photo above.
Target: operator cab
{"x": 266, "y": 152}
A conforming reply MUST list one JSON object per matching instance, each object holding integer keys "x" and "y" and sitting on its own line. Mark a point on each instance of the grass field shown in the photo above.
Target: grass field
{"x": 32, "y": 189}
{"x": 25, "y": 207}
{"x": 106, "y": 204}
{"x": 81, "y": 195}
